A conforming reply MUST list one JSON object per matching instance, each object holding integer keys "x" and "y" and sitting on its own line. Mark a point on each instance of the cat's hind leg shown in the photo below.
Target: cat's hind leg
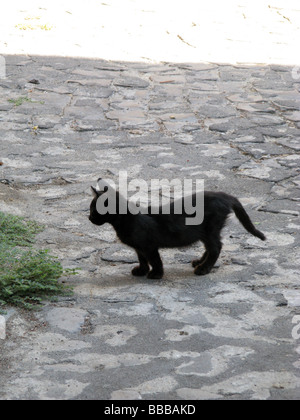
{"x": 143, "y": 268}
{"x": 195, "y": 263}
{"x": 155, "y": 261}
{"x": 213, "y": 249}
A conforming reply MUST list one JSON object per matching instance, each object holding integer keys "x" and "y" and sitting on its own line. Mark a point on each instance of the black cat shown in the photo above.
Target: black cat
{"x": 146, "y": 233}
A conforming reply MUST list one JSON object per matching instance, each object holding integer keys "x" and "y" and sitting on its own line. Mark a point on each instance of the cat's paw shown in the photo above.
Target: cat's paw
{"x": 195, "y": 263}
{"x": 202, "y": 270}
{"x": 139, "y": 271}
{"x": 202, "y": 260}
{"x": 155, "y": 275}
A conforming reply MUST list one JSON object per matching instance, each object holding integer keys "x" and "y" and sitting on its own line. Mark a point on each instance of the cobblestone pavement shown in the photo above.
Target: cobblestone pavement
{"x": 232, "y": 334}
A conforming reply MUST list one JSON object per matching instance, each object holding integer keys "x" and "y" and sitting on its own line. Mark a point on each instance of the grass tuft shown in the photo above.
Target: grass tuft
{"x": 15, "y": 231}
{"x": 27, "y": 275}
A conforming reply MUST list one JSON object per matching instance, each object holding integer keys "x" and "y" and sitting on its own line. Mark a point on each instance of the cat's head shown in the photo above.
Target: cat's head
{"x": 100, "y": 200}
{"x": 94, "y": 216}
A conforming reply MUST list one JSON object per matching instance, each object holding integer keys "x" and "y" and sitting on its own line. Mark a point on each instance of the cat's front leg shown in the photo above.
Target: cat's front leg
{"x": 143, "y": 268}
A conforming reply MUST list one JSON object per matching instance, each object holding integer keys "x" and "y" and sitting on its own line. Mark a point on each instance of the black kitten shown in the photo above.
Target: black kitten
{"x": 146, "y": 233}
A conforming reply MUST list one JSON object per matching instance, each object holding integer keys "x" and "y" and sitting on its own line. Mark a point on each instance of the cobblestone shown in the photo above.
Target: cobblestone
{"x": 196, "y": 338}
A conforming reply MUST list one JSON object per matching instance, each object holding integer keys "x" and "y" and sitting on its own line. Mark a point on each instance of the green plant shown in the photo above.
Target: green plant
{"x": 19, "y": 101}
{"x": 15, "y": 231}
{"x": 22, "y": 99}
{"x": 27, "y": 275}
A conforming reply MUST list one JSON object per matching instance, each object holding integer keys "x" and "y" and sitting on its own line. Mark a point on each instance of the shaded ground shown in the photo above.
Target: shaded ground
{"x": 228, "y": 335}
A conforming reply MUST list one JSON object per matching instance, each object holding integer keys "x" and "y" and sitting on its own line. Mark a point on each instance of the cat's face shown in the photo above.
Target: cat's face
{"x": 94, "y": 216}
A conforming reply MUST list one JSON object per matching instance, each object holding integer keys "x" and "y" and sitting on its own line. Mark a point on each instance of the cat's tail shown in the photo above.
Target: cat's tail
{"x": 245, "y": 220}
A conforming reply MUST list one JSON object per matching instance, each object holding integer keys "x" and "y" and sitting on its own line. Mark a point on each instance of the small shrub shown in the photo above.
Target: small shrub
{"x": 27, "y": 275}
{"x": 15, "y": 231}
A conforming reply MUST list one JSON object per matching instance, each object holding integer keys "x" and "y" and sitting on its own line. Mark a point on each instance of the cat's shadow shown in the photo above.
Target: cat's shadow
{"x": 175, "y": 275}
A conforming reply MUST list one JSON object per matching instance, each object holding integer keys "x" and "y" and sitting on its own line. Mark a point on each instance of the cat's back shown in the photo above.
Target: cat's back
{"x": 218, "y": 196}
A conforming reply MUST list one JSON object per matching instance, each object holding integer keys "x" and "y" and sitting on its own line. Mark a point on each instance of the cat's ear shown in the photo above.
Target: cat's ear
{"x": 102, "y": 185}
{"x": 95, "y": 192}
